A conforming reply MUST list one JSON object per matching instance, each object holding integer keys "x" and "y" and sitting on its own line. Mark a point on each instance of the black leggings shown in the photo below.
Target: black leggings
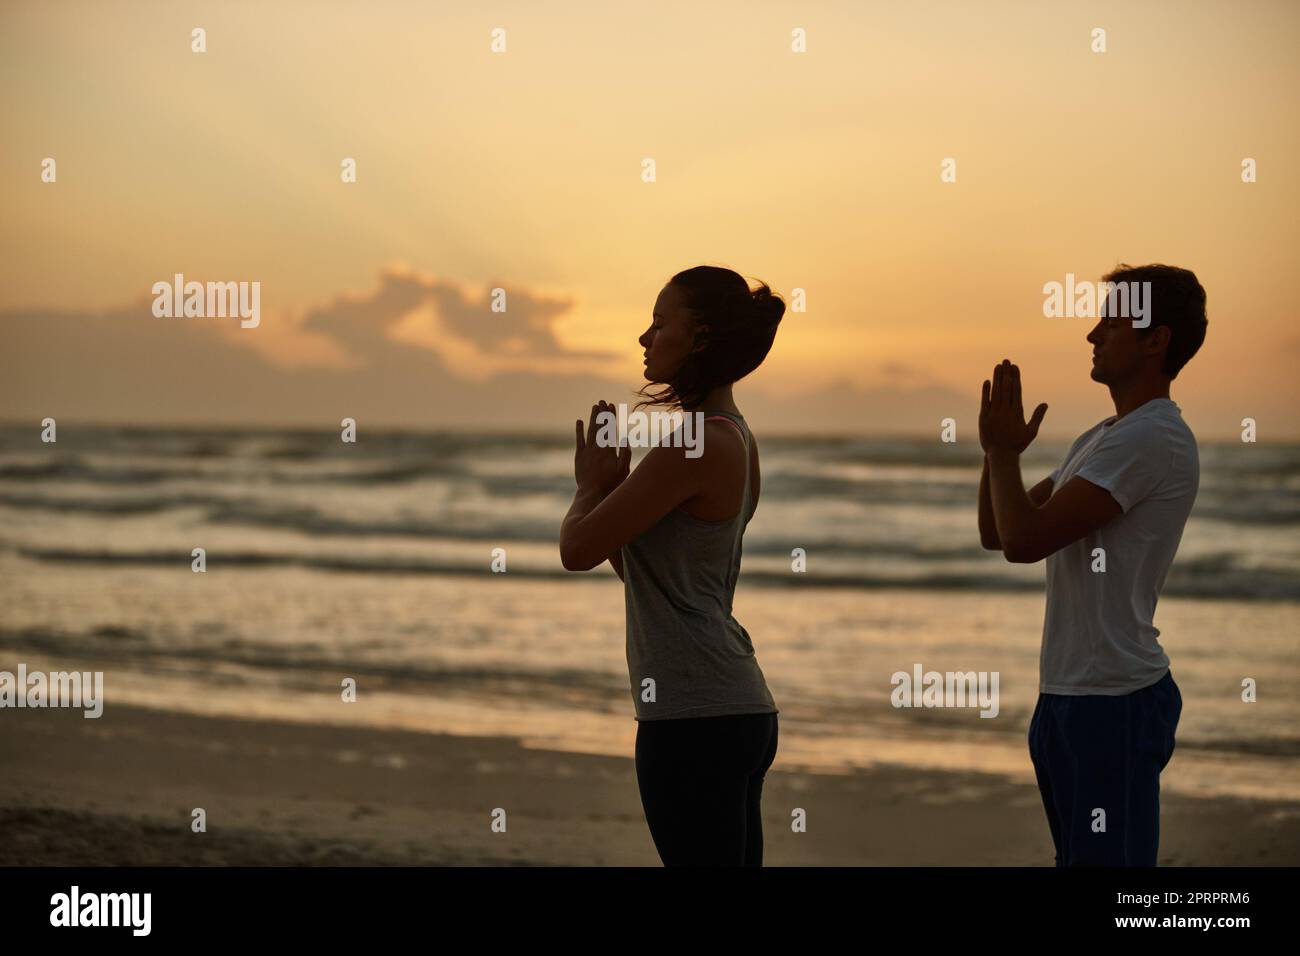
{"x": 701, "y": 780}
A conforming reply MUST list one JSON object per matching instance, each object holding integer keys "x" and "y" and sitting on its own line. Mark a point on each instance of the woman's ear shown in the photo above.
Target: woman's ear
{"x": 699, "y": 346}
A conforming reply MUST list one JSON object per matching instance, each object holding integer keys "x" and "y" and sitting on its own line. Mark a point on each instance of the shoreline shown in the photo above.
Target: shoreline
{"x": 119, "y": 791}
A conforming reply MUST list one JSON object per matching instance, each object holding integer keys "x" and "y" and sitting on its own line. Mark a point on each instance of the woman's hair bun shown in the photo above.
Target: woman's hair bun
{"x": 769, "y": 305}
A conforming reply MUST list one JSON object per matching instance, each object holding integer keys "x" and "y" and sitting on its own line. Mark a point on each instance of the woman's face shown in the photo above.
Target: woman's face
{"x": 670, "y": 337}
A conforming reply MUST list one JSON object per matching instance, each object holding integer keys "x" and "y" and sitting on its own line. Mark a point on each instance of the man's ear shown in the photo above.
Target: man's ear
{"x": 1158, "y": 340}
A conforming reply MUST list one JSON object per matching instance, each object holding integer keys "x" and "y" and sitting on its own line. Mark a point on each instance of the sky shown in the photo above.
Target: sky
{"x": 523, "y": 170}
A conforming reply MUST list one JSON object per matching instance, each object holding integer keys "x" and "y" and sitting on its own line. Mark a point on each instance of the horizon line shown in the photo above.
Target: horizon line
{"x": 9, "y": 424}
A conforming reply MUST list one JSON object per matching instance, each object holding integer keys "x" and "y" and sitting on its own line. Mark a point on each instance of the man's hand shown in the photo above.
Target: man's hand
{"x": 599, "y": 470}
{"x": 1002, "y": 417}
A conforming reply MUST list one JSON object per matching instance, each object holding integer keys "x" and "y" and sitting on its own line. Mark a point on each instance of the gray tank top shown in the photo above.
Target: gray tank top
{"x": 679, "y": 578}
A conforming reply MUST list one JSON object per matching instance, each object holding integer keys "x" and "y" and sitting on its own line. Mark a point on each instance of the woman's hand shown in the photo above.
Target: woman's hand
{"x": 599, "y": 469}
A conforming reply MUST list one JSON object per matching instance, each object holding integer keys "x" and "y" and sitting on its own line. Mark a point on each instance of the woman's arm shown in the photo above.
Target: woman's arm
{"x": 609, "y": 511}
{"x": 596, "y": 528}
{"x": 583, "y": 504}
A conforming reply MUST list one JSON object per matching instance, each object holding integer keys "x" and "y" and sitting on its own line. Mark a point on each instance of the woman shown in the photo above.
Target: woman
{"x": 672, "y": 529}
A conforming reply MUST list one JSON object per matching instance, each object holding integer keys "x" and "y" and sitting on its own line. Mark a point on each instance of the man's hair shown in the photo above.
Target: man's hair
{"x": 1177, "y": 301}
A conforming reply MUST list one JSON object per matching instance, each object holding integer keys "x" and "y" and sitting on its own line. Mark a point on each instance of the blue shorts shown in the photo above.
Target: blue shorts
{"x": 1098, "y": 761}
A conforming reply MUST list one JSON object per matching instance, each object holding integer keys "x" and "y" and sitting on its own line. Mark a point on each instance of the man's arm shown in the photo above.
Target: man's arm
{"x": 988, "y": 525}
{"x": 1028, "y": 532}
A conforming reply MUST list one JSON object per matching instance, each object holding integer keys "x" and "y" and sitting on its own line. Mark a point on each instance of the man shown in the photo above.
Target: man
{"x": 1108, "y": 521}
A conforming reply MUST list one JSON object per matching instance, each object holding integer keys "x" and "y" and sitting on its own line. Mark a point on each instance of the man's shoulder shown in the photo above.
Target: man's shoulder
{"x": 1161, "y": 424}
{"x": 1086, "y": 437}
{"x": 1162, "y": 442}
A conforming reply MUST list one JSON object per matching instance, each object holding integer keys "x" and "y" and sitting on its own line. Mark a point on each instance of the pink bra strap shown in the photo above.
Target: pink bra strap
{"x": 712, "y": 418}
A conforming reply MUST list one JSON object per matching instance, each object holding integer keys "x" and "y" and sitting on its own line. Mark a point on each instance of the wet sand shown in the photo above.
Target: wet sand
{"x": 119, "y": 791}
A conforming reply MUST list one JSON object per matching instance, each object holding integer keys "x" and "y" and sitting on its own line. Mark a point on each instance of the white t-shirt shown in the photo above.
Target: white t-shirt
{"x": 1098, "y": 635}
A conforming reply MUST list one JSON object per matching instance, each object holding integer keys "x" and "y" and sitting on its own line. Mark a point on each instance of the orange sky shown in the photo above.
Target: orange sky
{"x": 522, "y": 170}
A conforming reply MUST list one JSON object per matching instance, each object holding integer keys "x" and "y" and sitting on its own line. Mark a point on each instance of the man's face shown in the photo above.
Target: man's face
{"x": 1118, "y": 353}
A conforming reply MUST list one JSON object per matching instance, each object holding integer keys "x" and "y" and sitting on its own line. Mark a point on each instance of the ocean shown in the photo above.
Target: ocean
{"x": 373, "y": 561}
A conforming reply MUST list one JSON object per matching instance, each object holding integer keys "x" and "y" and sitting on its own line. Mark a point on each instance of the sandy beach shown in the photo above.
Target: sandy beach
{"x": 119, "y": 791}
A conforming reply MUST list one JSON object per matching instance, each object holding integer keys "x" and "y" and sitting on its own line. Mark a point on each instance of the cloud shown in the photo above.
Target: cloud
{"x": 843, "y": 407}
{"x": 901, "y": 375}
{"x": 348, "y": 357}
{"x": 411, "y": 308}
{"x": 415, "y": 351}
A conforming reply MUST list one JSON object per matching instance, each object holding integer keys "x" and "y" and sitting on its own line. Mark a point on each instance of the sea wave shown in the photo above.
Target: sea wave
{"x": 1219, "y": 576}
{"x": 218, "y": 658}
